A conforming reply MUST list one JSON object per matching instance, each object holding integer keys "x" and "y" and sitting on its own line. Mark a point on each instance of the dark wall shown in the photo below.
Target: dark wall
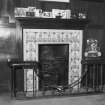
{"x": 26, "y": 3}
{"x": 10, "y": 48}
{"x": 39, "y": 4}
{"x": 95, "y": 28}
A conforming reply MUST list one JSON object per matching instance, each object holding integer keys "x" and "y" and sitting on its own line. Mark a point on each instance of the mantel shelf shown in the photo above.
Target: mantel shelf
{"x": 52, "y": 23}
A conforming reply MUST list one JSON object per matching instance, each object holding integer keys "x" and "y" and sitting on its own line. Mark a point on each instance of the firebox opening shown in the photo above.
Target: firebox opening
{"x": 53, "y": 59}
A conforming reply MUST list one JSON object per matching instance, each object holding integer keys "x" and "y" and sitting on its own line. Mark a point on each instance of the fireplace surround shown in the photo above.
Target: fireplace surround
{"x": 33, "y": 38}
{"x": 41, "y": 31}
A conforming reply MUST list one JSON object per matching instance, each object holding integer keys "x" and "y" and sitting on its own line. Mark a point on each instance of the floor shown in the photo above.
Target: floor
{"x": 99, "y": 99}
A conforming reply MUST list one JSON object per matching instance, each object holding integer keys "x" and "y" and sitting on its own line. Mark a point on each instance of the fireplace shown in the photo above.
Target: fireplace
{"x": 53, "y": 59}
{"x": 59, "y": 53}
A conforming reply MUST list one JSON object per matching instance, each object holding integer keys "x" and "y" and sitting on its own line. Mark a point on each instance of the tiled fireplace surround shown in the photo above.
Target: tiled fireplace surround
{"x": 33, "y": 37}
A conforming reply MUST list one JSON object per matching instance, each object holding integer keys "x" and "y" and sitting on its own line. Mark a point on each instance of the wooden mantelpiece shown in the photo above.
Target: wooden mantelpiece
{"x": 52, "y": 23}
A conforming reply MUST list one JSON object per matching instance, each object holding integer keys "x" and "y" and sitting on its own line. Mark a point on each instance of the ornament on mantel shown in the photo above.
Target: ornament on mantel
{"x": 92, "y": 48}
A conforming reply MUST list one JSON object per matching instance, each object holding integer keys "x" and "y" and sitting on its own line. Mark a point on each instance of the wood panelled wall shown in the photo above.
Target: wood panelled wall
{"x": 10, "y": 48}
{"x": 95, "y": 28}
{"x": 26, "y": 3}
